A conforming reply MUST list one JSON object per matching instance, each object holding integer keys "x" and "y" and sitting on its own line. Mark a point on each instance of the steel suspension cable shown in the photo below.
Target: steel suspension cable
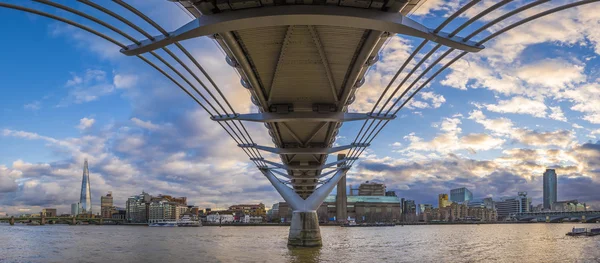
{"x": 453, "y": 33}
{"x": 492, "y": 36}
{"x": 416, "y": 51}
{"x": 166, "y": 34}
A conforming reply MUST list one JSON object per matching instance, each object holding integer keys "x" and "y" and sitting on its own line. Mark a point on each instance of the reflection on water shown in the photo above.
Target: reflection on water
{"x": 304, "y": 255}
{"x": 439, "y": 243}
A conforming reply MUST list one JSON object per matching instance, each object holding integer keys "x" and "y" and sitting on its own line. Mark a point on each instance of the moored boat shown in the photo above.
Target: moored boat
{"x": 352, "y": 223}
{"x": 163, "y": 224}
{"x": 188, "y": 221}
{"x": 577, "y": 232}
{"x": 593, "y": 232}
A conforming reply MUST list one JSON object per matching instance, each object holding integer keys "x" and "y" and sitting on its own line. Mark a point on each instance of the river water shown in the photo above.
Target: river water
{"x": 430, "y": 243}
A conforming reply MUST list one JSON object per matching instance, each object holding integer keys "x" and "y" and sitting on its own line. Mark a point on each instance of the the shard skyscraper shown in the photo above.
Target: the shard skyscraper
{"x": 85, "y": 201}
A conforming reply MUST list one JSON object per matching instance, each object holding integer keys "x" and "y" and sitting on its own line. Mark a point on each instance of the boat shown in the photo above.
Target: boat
{"x": 188, "y": 221}
{"x": 353, "y": 223}
{"x": 163, "y": 223}
{"x": 593, "y": 232}
{"x": 577, "y": 232}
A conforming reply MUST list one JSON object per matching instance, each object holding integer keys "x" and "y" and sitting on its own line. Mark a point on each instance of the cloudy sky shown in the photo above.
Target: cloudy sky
{"x": 493, "y": 122}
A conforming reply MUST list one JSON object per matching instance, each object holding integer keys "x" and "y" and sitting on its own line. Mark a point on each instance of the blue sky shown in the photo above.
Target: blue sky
{"x": 492, "y": 122}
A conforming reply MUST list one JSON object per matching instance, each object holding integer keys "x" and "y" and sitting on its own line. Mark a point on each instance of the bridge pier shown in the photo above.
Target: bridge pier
{"x": 304, "y": 230}
{"x": 73, "y": 220}
{"x": 12, "y": 221}
{"x": 42, "y": 219}
{"x": 101, "y": 221}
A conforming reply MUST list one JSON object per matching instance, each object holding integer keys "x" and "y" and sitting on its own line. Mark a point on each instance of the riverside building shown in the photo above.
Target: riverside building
{"x": 460, "y": 195}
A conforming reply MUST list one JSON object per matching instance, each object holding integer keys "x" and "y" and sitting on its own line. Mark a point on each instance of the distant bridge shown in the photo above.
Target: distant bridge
{"x": 557, "y": 217}
{"x": 61, "y": 220}
{"x": 302, "y": 63}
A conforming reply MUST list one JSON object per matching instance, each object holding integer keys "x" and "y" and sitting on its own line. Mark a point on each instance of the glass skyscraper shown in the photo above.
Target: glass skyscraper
{"x": 550, "y": 192}
{"x": 85, "y": 200}
{"x": 460, "y": 195}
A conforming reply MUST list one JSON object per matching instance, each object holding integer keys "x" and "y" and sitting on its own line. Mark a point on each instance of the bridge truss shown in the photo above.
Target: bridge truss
{"x": 302, "y": 63}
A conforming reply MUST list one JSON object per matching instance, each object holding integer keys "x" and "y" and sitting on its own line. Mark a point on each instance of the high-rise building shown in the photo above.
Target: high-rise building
{"x": 443, "y": 200}
{"x": 460, "y": 195}
{"x": 85, "y": 200}
{"x": 408, "y": 207}
{"x": 371, "y": 189}
{"x": 137, "y": 208}
{"x": 75, "y": 209}
{"x": 550, "y": 192}
{"x": 106, "y": 205}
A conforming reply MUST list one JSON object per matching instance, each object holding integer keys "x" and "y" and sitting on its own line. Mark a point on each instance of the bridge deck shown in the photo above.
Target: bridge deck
{"x": 300, "y": 67}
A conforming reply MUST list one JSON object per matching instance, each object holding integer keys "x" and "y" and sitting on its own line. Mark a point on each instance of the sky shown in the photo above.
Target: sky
{"x": 492, "y": 122}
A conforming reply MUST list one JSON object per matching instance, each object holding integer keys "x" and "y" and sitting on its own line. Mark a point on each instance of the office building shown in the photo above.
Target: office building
{"x": 250, "y": 209}
{"x": 75, "y": 209}
{"x": 106, "y": 206}
{"x": 409, "y": 210}
{"x": 568, "y": 206}
{"x": 371, "y": 189}
{"x": 164, "y": 210}
{"x": 390, "y": 193}
{"x": 85, "y": 199}
{"x": 487, "y": 202}
{"x": 119, "y": 213}
{"x": 423, "y": 207}
{"x": 443, "y": 201}
{"x": 460, "y": 195}
{"x": 513, "y": 205}
{"x": 137, "y": 208}
{"x": 359, "y": 208}
{"x": 49, "y": 212}
{"x": 550, "y": 193}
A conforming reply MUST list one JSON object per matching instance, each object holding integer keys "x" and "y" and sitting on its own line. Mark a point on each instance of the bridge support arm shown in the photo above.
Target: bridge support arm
{"x": 313, "y": 15}
{"x": 303, "y": 116}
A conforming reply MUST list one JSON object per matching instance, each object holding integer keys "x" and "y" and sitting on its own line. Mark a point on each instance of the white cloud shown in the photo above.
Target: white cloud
{"x": 519, "y": 105}
{"x": 557, "y": 114}
{"x": 85, "y": 123}
{"x": 450, "y": 140}
{"x": 544, "y": 73}
{"x": 145, "y": 124}
{"x": 505, "y": 127}
{"x": 124, "y": 81}
{"x": 36, "y": 105}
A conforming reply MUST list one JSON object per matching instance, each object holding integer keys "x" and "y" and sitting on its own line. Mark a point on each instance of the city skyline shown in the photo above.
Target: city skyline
{"x": 88, "y": 101}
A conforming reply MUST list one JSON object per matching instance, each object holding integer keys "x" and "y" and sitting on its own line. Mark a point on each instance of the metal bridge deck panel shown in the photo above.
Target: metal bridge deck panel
{"x": 263, "y": 45}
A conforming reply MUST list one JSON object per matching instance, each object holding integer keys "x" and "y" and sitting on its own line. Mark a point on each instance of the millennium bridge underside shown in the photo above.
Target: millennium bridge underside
{"x": 302, "y": 63}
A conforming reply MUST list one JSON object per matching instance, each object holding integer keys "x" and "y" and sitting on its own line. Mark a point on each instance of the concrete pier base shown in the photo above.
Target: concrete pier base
{"x": 12, "y": 221}
{"x": 304, "y": 230}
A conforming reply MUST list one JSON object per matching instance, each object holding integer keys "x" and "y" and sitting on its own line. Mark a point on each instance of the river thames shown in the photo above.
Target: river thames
{"x": 428, "y": 243}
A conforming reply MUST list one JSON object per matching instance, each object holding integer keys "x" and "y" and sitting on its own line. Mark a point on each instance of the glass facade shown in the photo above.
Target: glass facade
{"x": 85, "y": 200}
{"x": 460, "y": 195}
{"x": 550, "y": 183}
